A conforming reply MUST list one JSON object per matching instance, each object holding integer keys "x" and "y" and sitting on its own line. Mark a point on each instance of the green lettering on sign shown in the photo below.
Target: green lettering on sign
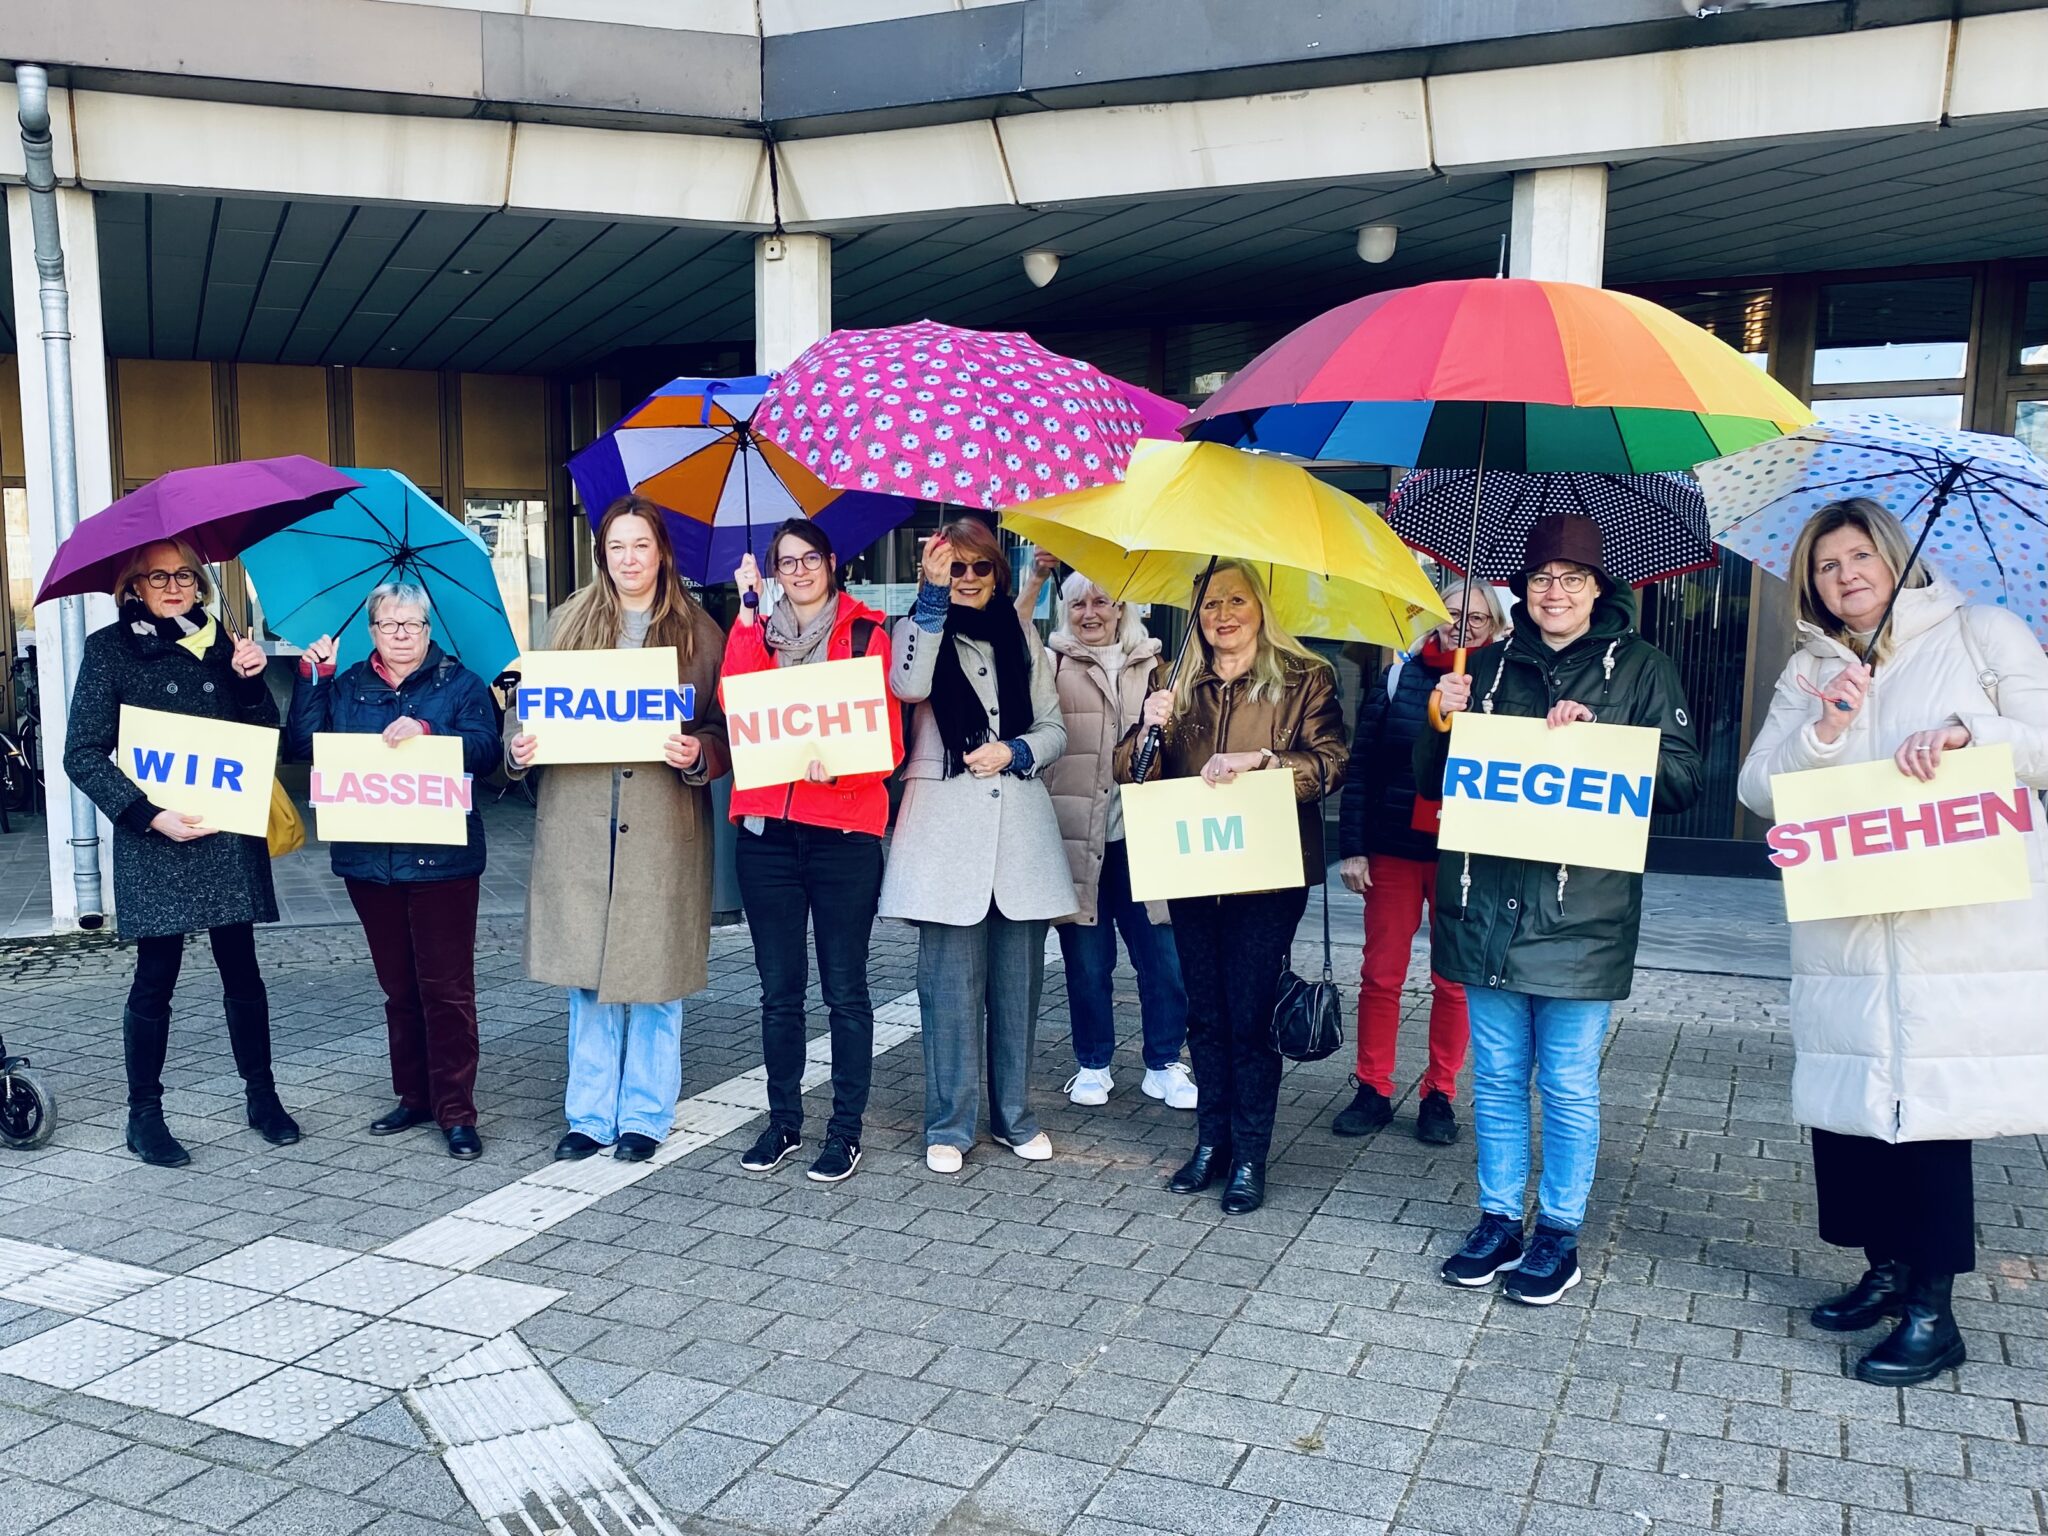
{"x": 1222, "y": 834}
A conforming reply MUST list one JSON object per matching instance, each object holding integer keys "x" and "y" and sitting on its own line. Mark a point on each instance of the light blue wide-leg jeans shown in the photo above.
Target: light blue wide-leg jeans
{"x": 625, "y": 1067}
{"x": 1557, "y": 1041}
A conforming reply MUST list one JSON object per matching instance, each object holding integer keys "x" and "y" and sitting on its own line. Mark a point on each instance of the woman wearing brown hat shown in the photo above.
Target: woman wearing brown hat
{"x": 1544, "y": 950}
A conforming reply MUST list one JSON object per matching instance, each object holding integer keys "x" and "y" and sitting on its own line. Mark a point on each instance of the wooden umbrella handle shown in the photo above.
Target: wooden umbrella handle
{"x": 1437, "y": 717}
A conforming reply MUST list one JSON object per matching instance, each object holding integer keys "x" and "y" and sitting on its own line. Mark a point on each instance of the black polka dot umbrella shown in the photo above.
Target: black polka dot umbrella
{"x": 1652, "y": 526}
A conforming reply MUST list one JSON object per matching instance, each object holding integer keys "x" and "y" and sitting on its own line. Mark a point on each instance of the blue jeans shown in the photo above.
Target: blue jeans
{"x": 625, "y": 1067}
{"x": 1559, "y": 1039}
{"x": 1090, "y": 954}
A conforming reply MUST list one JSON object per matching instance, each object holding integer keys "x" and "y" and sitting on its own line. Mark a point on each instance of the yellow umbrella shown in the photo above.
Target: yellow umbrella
{"x": 1335, "y": 570}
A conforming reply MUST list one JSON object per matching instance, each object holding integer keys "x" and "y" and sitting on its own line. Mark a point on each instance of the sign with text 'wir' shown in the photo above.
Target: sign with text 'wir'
{"x": 602, "y": 706}
{"x": 1188, "y": 838}
{"x": 1580, "y": 794}
{"x": 217, "y": 770}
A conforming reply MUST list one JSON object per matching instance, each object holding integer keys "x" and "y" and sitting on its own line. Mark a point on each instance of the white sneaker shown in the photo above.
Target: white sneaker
{"x": 1172, "y": 1084}
{"x": 942, "y": 1159}
{"x": 1090, "y": 1087}
{"x": 1037, "y": 1150}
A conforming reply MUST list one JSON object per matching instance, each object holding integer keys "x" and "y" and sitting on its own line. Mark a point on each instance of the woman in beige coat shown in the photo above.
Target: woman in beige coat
{"x": 618, "y": 907}
{"x": 1916, "y": 1033}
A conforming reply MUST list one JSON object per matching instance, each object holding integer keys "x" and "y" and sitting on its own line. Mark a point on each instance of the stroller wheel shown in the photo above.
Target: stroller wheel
{"x": 28, "y": 1113}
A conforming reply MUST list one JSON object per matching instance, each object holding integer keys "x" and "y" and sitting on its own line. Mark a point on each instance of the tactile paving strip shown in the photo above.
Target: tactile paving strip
{"x": 18, "y": 1261}
{"x": 478, "y": 1304}
{"x": 370, "y": 1283}
{"x": 561, "y": 1478}
{"x": 274, "y": 1264}
{"x": 74, "y": 1353}
{"x": 181, "y": 1307}
{"x": 455, "y": 1242}
{"x": 292, "y": 1406}
{"x": 80, "y": 1285}
{"x": 282, "y": 1329}
{"x": 532, "y": 1207}
{"x": 390, "y": 1353}
{"x": 180, "y": 1379}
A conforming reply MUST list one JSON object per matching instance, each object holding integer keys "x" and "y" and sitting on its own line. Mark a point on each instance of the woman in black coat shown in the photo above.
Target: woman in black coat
{"x": 172, "y": 875}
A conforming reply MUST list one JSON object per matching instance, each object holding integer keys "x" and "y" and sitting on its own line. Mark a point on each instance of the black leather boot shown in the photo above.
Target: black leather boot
{"x": 1926, "y": 1342}
{"x": 1246, "y": 1191}
{"x": 151, "y": 1140}
{"x": 249, "y": 1039}
{"x": 1200, "y": 1171}
{"x": 144, "y": 1039}
{"x": 1880, "y": 1294}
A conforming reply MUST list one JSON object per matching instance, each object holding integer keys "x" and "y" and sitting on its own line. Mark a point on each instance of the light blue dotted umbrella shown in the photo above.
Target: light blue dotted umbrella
{"x": 1975, "y": 504}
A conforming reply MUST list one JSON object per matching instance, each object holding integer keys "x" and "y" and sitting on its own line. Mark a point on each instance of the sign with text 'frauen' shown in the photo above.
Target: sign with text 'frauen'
{"x": 1865, "y": 838}
{"x": 1188, "y": 838}
{"x": 363, "y": 791}
{"x": 780, "y": 720}
{"x": 217, "y": 770}
{"x": 601, "y": 706}
{"x": 1579, "y": 794}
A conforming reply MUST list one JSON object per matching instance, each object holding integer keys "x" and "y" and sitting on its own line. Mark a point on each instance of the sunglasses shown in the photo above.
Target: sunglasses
{"x": 979, "y": 567}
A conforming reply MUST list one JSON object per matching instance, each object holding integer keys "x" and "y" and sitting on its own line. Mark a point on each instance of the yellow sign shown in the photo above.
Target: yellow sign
{"x": 363, "y": 791}
{"x": 602, "y": 706}
{"x": 782, "y": 719}
{"x": 217, "y": 770}
{"x": 1867, "y": 838}
{"x": 1188, "y": 838}
{"x": 1580, "y": 794}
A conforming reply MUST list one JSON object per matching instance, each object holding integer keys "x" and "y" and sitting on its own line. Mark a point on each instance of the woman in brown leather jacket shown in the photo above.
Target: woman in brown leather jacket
{"x": 1252, "y": 698}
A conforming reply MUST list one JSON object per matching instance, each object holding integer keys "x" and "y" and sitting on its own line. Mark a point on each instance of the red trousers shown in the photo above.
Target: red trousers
{"x": 1393, "y": 911}
{"x": 423, "y": 946}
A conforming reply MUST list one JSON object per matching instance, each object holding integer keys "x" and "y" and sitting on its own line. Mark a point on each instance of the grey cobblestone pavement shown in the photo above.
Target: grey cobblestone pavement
{"x": 1054, "y": 1348}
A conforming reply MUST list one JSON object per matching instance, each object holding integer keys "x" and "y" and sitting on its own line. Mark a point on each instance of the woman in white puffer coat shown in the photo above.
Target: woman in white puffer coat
{"x": 1917, "y": 1032}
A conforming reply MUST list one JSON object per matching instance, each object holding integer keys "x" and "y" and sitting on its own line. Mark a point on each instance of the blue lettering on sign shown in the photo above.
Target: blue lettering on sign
{"x": 155, "y": 767}
{"x": 1580, "y": 789}
{"x": 618, "y": 705}
{"x": 151, "y": 765}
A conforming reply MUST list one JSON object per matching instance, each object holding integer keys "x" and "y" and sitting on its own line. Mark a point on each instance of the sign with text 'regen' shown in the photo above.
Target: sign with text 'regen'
{"x": 1866, "y": 838}
{"x": 1188, "y": 838}
{"x": 1579, "y": 794}
{"x": 217, "y": 770}
{"x": 780, "y": 720}
{"x": 363, "y": 791}
{"x": 601, "y": 706}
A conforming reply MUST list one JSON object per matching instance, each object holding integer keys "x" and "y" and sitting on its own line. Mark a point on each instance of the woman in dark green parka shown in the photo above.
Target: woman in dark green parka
{"x": 1543, "y": 950}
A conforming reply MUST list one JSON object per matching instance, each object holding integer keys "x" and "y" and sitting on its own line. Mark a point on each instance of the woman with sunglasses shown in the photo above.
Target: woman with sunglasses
{"x": 977, "y": 863}
{"x": 417, "y": 903}
{"x": 810, "y": 853}
{"x": 173, "y": 874}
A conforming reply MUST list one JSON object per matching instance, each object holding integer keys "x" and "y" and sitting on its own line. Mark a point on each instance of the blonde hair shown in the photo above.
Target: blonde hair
{"x": 1270, "y": 661}
{"x": 1887, "y": 536}
{"x": 137, "y": 565}
{"x": 1130, "y": 628}
{"x": 592, "y": 618}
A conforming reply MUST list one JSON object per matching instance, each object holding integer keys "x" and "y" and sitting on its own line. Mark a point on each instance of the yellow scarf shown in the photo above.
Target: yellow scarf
{"x": 200, "y": 639}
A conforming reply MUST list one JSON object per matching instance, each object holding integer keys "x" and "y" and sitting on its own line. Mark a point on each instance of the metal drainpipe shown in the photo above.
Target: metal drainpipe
{"x": 32, "y": 84}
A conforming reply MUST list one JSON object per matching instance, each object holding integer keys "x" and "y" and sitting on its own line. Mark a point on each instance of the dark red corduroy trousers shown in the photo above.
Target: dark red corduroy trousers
{"x": 423, "y": 945}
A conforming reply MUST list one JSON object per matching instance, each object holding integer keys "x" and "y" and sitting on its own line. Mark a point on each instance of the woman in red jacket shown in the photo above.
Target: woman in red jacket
{"x": 811, "y": 850}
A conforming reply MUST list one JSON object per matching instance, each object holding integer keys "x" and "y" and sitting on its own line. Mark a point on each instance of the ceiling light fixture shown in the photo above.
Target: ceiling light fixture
{"x": 1376, "y": 242}
{"x": 1040, "y": 266}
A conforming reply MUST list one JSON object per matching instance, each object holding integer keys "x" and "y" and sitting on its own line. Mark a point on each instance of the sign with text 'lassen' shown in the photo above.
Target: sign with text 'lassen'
{"x": 363, "y": 791}
{"x": 782, "y": 719}
{"x": 601, "y": 706}
{"x": 1579, "y": 794}
{"x": 217, "y": 770}
{"x": 1188, "y": 838}
{"x": 1866, "y": 838}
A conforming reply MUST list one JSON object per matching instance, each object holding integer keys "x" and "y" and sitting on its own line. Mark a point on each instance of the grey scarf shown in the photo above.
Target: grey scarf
{"x": 794, "y": 645}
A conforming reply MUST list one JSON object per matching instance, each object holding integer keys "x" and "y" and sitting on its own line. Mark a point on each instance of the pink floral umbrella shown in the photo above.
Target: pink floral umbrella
{"x": 978, "y": 418}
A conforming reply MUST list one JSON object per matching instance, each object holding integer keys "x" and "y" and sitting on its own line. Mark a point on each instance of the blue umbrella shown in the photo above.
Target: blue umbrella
{"x": 315, "y": 576}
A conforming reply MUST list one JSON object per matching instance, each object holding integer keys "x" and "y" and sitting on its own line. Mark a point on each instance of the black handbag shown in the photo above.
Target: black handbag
{"x": 1308, "y": 1016}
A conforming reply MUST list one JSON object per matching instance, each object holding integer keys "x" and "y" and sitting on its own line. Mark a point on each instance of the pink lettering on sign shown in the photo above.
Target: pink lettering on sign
{"x": 1902, "y": 829}
{"x": 433, "y": 791}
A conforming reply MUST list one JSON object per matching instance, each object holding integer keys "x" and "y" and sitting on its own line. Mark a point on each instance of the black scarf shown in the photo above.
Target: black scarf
{"x": 962, "y": 718}
{"x": 136, "y": 615}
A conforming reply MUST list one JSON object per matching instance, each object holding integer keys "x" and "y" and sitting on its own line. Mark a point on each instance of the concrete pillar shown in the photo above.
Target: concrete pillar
{"x": 1559, "y": 232}
{"x": 95, "y": 464}
{"x": 792, "y": 296}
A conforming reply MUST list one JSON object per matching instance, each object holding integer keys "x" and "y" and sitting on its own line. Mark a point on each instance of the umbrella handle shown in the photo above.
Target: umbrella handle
{"x": 1437, "y": 717}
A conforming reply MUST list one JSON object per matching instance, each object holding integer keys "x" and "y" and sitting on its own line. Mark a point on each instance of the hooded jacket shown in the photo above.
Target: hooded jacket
{"x": 1546, "y": 929}
{"x": 1929, "y": 1025}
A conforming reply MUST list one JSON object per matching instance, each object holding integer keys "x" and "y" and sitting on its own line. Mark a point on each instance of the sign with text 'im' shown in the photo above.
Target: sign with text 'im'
{"x": 217, "y": 770}
{"x": 364, "y": 791}
{"x": 1188, "y": 838}
{"x": 1579, "y": 794}
{"x": 781, "y": 720}
{"x": 1865, "y": 838}
{"x": 602, "y": 706}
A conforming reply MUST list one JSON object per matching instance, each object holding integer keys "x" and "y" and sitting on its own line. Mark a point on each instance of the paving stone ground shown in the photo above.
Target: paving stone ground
{"x": 1053, "y": 1348}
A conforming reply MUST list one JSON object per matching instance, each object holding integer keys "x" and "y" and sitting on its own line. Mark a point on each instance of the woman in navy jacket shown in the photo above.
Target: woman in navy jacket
{"x": 417, "y": 902}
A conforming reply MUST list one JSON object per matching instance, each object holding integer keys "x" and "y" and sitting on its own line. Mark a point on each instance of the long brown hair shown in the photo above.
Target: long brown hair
{"x": 971, "y": 539}
{"x": 592, "y": 618}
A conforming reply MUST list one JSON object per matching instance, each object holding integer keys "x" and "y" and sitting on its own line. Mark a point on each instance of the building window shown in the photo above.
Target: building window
{"x": 2031, "y": 350}
{"x": 1897, "y": 345}
{"x": 516, "y": 534}
{"x": 1741, "y": 317}
{"x": 2030, "y": 426}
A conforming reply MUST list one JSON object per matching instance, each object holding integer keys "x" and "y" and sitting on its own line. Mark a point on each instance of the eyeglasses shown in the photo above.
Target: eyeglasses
{"x": 391, "y": 629}
{"x": 183, "y": 576}
{"x": 979, "y": 567}
{"x": 809, "y": 560}
{"x": 1573, "y": 582}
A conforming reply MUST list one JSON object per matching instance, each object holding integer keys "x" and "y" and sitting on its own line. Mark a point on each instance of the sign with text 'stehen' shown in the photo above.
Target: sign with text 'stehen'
{"x": 1580, "y": 794}
{"x": 363, "y": 791}
{"x": 780, "y": 720}
{"x": 1188, "y": 838}
{"x": 217, "y": 770}
{"x": 602, "y": 706}
{"x": 1865, "y": 838}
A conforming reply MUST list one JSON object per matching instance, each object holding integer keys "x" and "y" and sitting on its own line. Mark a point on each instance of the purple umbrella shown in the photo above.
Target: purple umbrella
{"x": 219, "y": 509}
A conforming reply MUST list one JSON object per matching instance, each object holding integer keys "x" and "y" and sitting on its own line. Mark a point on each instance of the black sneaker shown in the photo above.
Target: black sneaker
{"x": 1370, "y": 1111}
{"x": 1548, "y": 1269}
{"x": 774, "y": 1147}
{"x": 1491, "y": 1247}
{"x": 1436, "y": 1123}
{"x": 836, "y": 1162}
